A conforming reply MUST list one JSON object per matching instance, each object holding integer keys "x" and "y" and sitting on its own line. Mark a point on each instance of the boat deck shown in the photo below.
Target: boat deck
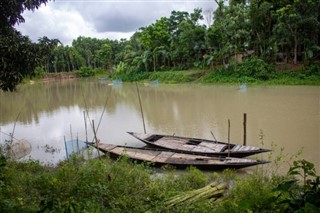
{"x": 170, "y": 157}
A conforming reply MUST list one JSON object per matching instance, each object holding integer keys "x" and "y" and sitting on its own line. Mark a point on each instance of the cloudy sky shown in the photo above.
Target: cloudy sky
{"x": 113, "y": 19}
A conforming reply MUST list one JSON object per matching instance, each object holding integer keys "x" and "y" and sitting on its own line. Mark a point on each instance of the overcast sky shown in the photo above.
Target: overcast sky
{"x": 113, "y": 19}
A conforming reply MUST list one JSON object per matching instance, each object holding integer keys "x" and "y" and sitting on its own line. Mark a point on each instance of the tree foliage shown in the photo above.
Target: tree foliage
{"x": 272, "y": 31}
{"x": 19, "y": 56}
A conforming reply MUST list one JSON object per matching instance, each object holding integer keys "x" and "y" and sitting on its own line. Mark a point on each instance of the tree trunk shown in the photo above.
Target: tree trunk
{"x": 295, "y": 50}
{"x": 154, "y": 63}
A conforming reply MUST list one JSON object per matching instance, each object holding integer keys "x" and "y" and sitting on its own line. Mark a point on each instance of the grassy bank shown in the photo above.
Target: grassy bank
{"x": 123, "y": 186}
{"x": 251, "y": 71}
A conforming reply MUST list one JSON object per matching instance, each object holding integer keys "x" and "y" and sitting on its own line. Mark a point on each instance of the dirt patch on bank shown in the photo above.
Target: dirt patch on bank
{"x": 59, "y": 76}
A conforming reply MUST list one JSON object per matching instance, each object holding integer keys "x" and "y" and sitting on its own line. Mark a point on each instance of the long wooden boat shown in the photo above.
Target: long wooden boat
{"x": 161, "y": 157}
{"x": 197, "y": 145}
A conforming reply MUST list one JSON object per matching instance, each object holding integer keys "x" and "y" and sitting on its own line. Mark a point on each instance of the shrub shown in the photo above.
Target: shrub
{"x": 254, "y": 67}
{"x": 313, "y": 70}
{"x": 85, "y": 72}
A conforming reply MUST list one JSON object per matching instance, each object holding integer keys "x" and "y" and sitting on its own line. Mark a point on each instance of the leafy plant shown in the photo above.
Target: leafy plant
{"x": 85, "y": 72}
{"x": 254, "y": 67}
{"x": 293, "y": 197}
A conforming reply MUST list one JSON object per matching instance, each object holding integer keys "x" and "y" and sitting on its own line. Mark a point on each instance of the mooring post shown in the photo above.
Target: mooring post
{"x": 228, "y": 137}
{"x": 244, "y": 129}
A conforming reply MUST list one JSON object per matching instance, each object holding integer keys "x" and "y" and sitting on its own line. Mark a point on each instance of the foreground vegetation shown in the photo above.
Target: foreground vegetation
{"x": 124, "y": 186}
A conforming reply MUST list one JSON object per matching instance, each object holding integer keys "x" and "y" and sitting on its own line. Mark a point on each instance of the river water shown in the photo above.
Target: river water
{"x": 278, "y": 117}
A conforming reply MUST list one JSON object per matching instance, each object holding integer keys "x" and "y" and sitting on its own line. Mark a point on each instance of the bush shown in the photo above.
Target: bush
{"x": 39, "y": 72}
{"x": 170, "y": 77}
{"x": 123, "y": 186}
{"x": 254, "y": 67}
{"x": 313, "y": 70}
{"x": 85, "y": 72}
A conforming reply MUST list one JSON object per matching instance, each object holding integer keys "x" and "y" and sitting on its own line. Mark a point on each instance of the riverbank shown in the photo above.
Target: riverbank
{"x": 256, "y": 73}
{"x": 59, "y": 76}
{"x": 252, "y": 72}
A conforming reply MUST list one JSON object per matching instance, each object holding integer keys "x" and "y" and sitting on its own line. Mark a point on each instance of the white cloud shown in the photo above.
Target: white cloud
{"x": 67, "y": 19}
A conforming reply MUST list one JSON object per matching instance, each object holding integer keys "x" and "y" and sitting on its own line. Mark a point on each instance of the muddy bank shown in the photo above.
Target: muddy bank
{"x": 59, "y": 76}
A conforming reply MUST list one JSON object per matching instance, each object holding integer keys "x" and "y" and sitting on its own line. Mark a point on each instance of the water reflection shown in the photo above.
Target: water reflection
{"x": 288, "y": 116}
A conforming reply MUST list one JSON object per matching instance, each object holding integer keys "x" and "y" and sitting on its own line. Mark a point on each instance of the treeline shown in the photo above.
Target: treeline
{"x": 275, "y": 31}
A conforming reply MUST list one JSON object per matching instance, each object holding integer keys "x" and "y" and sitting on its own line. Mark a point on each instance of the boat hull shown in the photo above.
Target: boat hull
{"x": 197, "y": 145}
{"x": 160, "y": 157}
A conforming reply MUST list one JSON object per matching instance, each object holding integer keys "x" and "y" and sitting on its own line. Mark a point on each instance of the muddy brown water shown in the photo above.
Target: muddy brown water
{"x": 278, "y": 117}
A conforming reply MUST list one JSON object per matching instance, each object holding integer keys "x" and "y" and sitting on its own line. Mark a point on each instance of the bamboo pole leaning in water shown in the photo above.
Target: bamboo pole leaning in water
{"x": 104, "y": 109}
{"x": 144, "y": 126}
{"x": 96, "y": 139}
{"x": 213, "y": 136}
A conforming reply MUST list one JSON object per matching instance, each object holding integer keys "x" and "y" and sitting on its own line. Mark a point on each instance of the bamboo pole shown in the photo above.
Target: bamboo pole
{"x": 213, "y": 136}
{"x": 65, "y": 145}
{"x": 71, "y": 132}
{"x": 228, "y": 137}
{"x": 14, "y": 127}
{"x": 244, "y": 129}
{"x": 71, "y": 138}
{"x": 78, "y": 148}
{"x": 212, "y": 191}
{"x": 104, "y": 109}
{"x": 144, "y": 126}
{"x": 97, "y": 141}
{"x": 85, "y": 126}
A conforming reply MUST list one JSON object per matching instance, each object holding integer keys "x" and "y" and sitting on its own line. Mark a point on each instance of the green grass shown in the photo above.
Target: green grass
{"x": 221, "y": 76}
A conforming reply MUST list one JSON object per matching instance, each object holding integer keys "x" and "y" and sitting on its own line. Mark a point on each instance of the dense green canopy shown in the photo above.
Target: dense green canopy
{"x": 19, "y": 56}
{"x": 286, "y": 32}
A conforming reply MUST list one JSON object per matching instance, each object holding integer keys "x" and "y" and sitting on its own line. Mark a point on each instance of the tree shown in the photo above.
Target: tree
{"x": 105, "y": 55}
{"x": 261, "y": 24}
{"x": 296, "y": 22}
{"x": 155, "y": 36}
{"x": 47, "y": 47}
{"x": 187, "y": 37}
{"x": 18, "y": 55}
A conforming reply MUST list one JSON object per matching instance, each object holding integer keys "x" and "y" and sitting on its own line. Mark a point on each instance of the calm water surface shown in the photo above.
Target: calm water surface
{"x": 287, "y": 116}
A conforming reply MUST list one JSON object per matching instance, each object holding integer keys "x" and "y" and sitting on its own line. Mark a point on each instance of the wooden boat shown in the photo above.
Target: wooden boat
{"x": 161, "y": 157}
{"x": 197, "y": 145}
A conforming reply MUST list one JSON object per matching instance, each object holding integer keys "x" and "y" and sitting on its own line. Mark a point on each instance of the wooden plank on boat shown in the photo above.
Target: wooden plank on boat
{"x": 173, "y": 144}
{"x": 209, "y": 147}
{"x": 142, "y": 154}
{"x": 169, "y": 140}
{"x": 188, "y": 156}
{"x": 162, "y": 157}
{"x": 143, "y": 136}
{"x": 106, "y": 147}
{"x": 241, "y": 148}
{"x": 236, "y": 148}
